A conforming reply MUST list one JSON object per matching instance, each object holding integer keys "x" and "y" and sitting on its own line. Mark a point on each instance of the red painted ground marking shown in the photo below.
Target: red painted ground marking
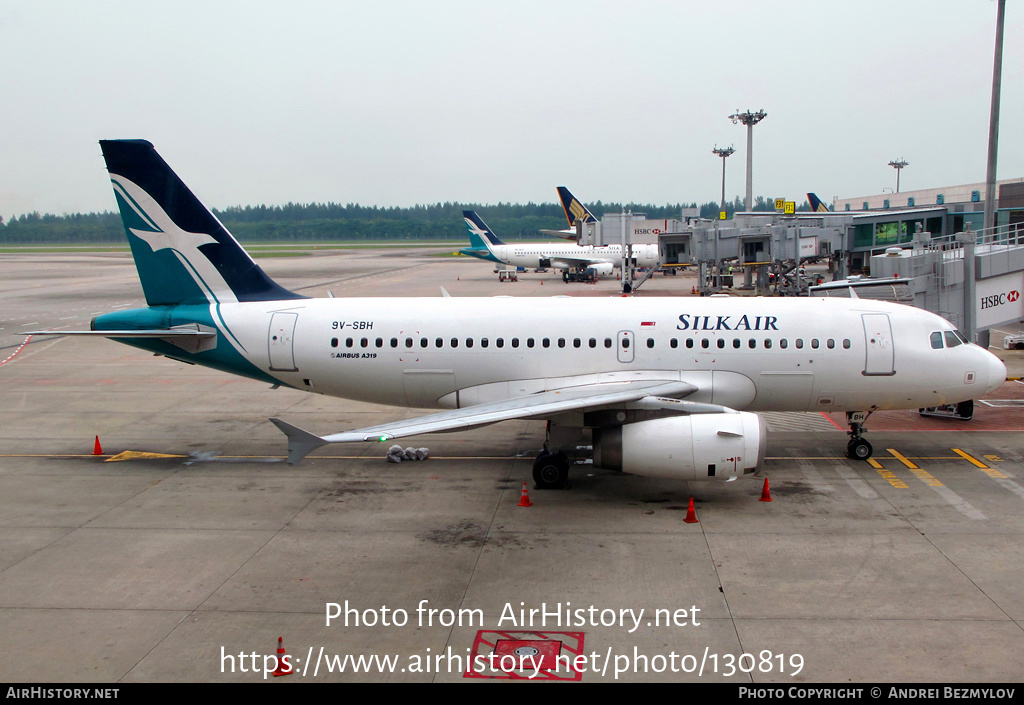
{"x": 548, "y": 645}
{"x": 15, "y": 353}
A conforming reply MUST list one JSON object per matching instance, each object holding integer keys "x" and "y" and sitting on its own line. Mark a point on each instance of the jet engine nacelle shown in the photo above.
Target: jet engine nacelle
{"x": 604, "y": 269}
{"x": 694, "y": 447}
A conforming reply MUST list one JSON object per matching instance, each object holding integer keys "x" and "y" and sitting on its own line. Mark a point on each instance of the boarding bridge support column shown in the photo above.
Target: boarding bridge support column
{"x": 967, "y": 238}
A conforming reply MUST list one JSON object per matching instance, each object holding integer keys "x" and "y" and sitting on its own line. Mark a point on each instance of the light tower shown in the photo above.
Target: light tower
{"x": 749, "y": 119}
{"x": 723, "y": 153}
{"x": 898, "y": 165}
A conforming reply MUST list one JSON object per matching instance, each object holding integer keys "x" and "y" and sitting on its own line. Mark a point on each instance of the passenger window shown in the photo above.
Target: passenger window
{"x": 561, "y": 342}
{"x": 951, "y": 340}
{"x": 483, "y": 342}
{"x": 469, "y": 342}
{"x": 846, "y": 343}
{"x": 593, "y": 342}
{"x": 546, "y": 342}
{"x": 576, "y": 342}
{"x": 394, "y": 342}
{"x": 625, "y": 343}
{"x": 500, "y": 342}
{"x": 408, "y": 342}
{"x": 705, "y": 343}
{"x": 689, "y": 342}
{"x": 423, "y": 342}
{"x": 751, "y": 343}
{"x": 831, "y": 344}
{"x": 721, "y": 343}
{"x": 650, "y": 342}
{"x": 799, "y": 343}
{"x": 529, "y": 342}
{"x": 349, "y": 342}
{"x": 767, "y": 343}
{"x": 380, "y": 342}
{"x": 674, "y": 343}
{"x": 736, "y": 343}
{"x": 334, "y": 342}
{"x": 814, "y": 343}
{"x": 364, "y": 342}
{"x": 515, "y": 342}
{"x": 439, "y": 343}
{"x": 607, "y": 342}
{"x": 455, "y": 342}
{"x": 784, "y": 343}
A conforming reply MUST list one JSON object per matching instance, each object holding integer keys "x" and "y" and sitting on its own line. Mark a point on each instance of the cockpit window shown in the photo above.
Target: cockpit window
{"x": 962, "y": 337}
{"x": 951, "y": 340}
{"x": 937, "y": 340}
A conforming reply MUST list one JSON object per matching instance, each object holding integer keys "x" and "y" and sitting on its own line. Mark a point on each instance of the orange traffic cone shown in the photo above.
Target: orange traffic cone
{"x": 691, "y": 515}
{"x": 766, "y": 496}
{"x": 96, "y": 449}
{"x": 693, "y": 290}
{"x": 284, "y": 668}
{"x": 524, "y": 501}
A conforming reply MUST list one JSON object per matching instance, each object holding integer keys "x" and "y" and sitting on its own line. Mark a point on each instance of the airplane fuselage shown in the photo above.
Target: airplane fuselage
{"x": 532, "y": 255}
{"x": 756, "y": 354}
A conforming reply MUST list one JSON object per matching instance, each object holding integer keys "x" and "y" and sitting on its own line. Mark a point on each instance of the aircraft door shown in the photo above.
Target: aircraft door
{"x": 625, "y": 346}
{"x": 878, "y": 339}
{"x": 280, "y": 340}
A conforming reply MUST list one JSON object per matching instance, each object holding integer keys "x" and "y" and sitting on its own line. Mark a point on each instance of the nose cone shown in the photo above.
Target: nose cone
{"x": 996, "y": 371}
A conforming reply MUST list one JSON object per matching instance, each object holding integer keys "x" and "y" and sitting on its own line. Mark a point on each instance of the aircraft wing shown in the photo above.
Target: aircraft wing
{"x": 564, "y": 262}
{"x": 565, "y": 234}
{"x": 646, "y": 394}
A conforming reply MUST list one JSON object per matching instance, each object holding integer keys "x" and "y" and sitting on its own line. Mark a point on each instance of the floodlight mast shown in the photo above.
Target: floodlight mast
{"x": 898, "y": 165}
{"x": 723, "y": 153}
{"x": 749, "y": 119}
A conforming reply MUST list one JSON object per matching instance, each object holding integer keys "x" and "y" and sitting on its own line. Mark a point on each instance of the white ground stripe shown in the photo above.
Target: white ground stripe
{"x": 957, "y": 501}
{"x": 859, "y": 484}
{"x": 808, "y": 469}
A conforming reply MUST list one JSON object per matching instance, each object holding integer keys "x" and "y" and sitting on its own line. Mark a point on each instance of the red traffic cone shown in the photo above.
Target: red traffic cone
{"x": 284, "y": 667}
{"x": 96, "y": 449}
{"x": 693, "y": 290}
{"x": 524, "y": 501}
{"x": 691, "y": 514}
{"x": 766, "y": 496}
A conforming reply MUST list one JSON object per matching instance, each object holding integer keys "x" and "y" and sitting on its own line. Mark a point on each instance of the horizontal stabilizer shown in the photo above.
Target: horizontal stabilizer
{"x": 191, "y": 337}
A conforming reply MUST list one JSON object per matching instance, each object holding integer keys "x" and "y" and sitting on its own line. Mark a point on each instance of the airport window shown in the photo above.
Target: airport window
{"x": 455, "y": 342}
{"x": 334, "y": 342}
{"x": 576, "y": 342}
{"x": 546, "y": 342}
{"x": 767, "y": 343}
{"x": 752, "y": 343}
{"x": 650, "y": 342}
{"x": 394, "y": 342}
{"x": 783, "y": 343}
{"x": 593, "y": 342}
{"x": 364, "y": 342}
{"x": 529, "y": 342}
{"x": 951, "y": 340}
{"x": 736, "y": 343}
{"x": 469, "y": 342}
{"x": 705, "y": 343}
{"x": 814, "y": 343}
{"x": 483, "y": 342}
{"x": 831, "y": 344}
{"x": 408, "y": 342}
{"x": 846, "y": 343}
{"x": 561, "y": 342}
{"x": 799, "y": 343}
{"x": 379, "y": 342}
{"x": 689, "y": 342}
{"x": 349, "y": 342}
{"x": 721, "y": 343}
{"x": 674, "y": 343}
{"x": 438, "y": 343}
{"x": 607, "y": 342}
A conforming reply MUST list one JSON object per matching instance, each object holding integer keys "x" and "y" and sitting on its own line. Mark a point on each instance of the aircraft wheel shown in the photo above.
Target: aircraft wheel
{"x": 551, "y": 471}
{"x": 858, "y": 449}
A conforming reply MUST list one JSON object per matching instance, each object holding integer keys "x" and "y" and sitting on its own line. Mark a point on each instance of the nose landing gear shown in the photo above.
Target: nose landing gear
{"x": 858, "y": 448}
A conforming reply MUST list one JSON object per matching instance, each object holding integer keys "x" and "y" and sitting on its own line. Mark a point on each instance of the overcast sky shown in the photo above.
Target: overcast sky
{"x": 397, "y": 102}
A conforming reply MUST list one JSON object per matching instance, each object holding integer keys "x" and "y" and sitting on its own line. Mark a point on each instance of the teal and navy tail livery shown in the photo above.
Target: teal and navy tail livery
{"x": 480, "y": 238}
{"x": 184, "y": 255}
{"x": 632, "y": 378}
{"x": 817, "y": 205}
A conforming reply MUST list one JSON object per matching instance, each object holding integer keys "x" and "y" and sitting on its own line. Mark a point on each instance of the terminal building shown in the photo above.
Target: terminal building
{"x": 917, "y": 246}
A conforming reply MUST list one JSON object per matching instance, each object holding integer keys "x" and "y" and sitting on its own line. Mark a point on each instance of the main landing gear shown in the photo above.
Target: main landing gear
{"x": 858, "y": 448}
{"x": 551, "y": 471}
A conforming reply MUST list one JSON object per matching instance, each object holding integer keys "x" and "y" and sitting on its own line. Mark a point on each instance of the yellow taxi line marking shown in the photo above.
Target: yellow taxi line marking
{"x": 902, "y": 458}
{"x": 970, "y": 459}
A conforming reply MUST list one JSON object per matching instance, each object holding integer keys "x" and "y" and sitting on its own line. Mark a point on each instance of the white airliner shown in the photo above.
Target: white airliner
{"x": 665, "y": 386}
{"x": 565, "y": 256}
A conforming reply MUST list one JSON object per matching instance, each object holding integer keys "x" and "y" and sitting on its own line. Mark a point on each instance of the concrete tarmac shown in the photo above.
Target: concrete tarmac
{"x": 188, "y": 568}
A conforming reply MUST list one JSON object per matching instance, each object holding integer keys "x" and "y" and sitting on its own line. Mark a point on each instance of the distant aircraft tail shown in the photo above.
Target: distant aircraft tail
{"x": 479, "y": 233}
{"x": 183, "y": 254}
{"x": 575, "y": 212}
{"x": 817, "y": 205}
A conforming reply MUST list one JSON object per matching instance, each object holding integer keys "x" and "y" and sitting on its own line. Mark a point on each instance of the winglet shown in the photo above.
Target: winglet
{"x": 300, "y": 443}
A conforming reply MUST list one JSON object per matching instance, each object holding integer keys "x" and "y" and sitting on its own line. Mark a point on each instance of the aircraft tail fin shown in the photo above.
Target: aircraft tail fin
{"x": 574, "y": 210}
{"x": 817, "y": 205}
{"x": 183, "y": 254}
{"x": 479, "y": 232}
